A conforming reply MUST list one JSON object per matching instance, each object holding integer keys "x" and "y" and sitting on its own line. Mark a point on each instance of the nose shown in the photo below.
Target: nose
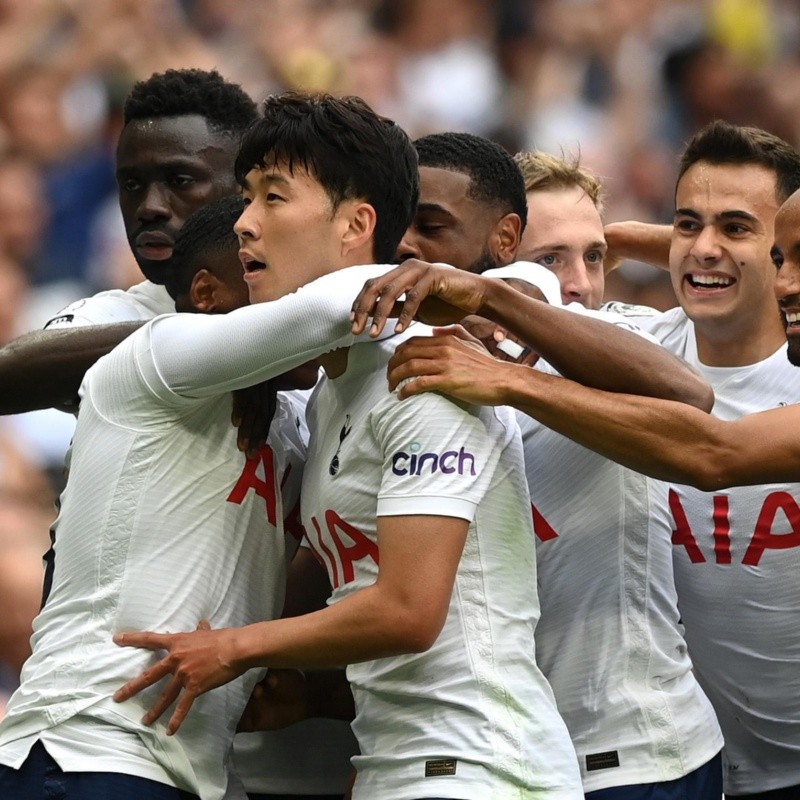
{"x": 408, "y": 247}
{"x": 705, "y": 246}
{"x": 245, "y": 227}
{"x": 155, "y": 204}
{"x": 575, "y": 284}
{"x": 787, "y": 281}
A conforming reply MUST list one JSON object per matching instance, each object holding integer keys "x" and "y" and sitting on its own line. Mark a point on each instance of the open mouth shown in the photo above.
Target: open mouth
{"x": 705, "y": 282}
{"x": 250, "y": 264}
{"x": 792, "y": 319}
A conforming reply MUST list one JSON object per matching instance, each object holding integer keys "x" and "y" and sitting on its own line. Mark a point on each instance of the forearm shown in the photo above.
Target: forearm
{"x": 596, "y": 353}
{"x": 362, "y": 627}
{"x": 204, "y": 356}
{"x": 639, "y": 241}
{"x": 44, "y": 369}
{"x": 665, "y": 440}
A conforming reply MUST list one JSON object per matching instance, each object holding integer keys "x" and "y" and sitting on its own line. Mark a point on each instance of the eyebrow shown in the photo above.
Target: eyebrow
{"x": 722, "y": 216}
{"x": 427, "y": 207}
{"x": 596, "y": 245}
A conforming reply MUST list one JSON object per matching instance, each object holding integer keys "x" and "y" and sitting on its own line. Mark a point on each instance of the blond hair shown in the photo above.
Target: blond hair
{"x": 543, "y": 172}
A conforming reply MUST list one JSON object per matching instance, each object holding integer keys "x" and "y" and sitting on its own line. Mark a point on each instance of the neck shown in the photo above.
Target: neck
{"x": 335, "y": 362}
{"x": 718, "y": 347}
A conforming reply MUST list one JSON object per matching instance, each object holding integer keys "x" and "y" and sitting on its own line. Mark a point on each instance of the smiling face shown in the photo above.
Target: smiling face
{"x": 449, "y": 225}
{"x": 786, "y": 256}
{"x": 720, "y": 262}
{"x": 565, "y": 234}
{"x": 289, "y": 232}
{"x": 167, "y": 168}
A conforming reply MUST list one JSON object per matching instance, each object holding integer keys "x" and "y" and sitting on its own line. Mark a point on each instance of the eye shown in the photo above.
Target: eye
{"x": 246, "y": 201}
{"x": 547, "y": 260}
{"x": 687, "y": 225}
{"x": 429, "y": 229}
{"x": 777, "y": 259}
{"x": 735, "y": 229}
{"x": 273, "y": 198}
{"x": 595, "y": 257}
{"x": 130, "y": 185}
{"x": 182, "y": 181}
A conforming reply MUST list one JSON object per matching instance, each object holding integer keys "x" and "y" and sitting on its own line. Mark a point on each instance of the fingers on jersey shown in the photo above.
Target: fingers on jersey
{"x": 452, "y": 362}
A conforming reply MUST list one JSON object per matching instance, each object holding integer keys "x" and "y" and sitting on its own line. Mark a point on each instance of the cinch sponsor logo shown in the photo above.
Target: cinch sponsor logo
{"x": 460, "y": 461}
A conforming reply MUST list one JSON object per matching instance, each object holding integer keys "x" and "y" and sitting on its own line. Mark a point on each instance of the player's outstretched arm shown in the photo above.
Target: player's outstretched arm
{"x": 639, "y": 241}
{"x": 666, "y": 440}
{"x": 587, "y": 350}
{"x": 402, "y": 612}
{"x": 44, "y": 369}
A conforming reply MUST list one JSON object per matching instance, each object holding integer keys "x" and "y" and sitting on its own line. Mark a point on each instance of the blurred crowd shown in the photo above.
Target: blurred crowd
{"x": 622, "y": 83}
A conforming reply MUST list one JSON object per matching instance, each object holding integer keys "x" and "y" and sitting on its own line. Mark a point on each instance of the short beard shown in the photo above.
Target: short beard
{"x": 485, "y": 261}
{"x": 793, "y": 351}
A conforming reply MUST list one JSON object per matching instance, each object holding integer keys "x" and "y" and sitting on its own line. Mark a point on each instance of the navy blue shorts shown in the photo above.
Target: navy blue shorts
{"x": 40, "y": 778}
{"x": 705, "y": 783}
{"x": 786, "y": 793}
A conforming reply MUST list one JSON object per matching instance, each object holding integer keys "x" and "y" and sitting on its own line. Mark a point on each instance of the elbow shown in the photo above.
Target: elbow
{"x": 697, "y": 393}
{"x": 707, "y": 470}
{"x": 415, "y": 632}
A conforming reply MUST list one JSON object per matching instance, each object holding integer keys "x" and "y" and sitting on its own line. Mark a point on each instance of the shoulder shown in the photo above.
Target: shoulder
{"x": 141, "y": 302}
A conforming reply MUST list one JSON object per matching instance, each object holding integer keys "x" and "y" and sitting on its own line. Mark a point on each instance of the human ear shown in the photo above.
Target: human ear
{"x": 205, "y": 291}
{"x": 360, "y": 221}
{"x": 505, "y": 238}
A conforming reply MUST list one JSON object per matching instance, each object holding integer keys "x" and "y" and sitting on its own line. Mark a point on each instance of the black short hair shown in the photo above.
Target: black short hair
{"x": 719, "y": 142}
{"x": 495, "y": 177}
{"x": 208, "y": 231}
{"x": 352, "y": 151}
{"x": 179, "y": 92}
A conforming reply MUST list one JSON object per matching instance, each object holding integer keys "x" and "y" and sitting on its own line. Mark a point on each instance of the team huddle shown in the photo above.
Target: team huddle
{"x": 471, "y": 535}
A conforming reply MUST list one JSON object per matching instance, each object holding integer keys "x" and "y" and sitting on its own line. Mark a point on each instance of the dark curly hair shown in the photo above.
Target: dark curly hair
{"x": 209, "y": 230}
{"x": 352, "y": 152}
{"x": 494, "y": 175}
{"x": 179, "y": 92}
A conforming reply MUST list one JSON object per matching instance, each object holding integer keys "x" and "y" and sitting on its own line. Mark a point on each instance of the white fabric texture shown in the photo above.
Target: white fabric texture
{"x": 476, "y": 697}
{"x": 609, "y": 639}
{"x": 737, "y": 558}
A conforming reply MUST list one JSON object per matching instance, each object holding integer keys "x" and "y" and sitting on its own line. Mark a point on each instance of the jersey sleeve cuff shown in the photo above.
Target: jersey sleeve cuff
{"x": 403, "y": 506}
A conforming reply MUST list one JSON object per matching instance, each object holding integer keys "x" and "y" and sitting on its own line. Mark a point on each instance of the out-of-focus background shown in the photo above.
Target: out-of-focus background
{"x": 622, "y": 82}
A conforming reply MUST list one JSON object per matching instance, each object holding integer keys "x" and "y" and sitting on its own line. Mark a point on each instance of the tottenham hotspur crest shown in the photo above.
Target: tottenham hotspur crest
{"x": 333, "y": 467}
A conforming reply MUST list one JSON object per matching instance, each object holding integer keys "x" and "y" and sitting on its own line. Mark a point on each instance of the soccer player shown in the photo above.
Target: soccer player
{"x": 176, "y": 150}
{"x": 162, "y": 520}
{"x": 604, "y": 562}
{"x": 735, "y": 562}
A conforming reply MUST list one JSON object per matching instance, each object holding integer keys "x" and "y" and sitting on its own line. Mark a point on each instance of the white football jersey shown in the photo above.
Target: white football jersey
{"x": 737, "y": 558}
{"x": 609, "y": 638}
{"x": 143, "y": 301}
{"x": 163, "y": 523}
{"x": 473, "y": 717}
{"x": 316, "y": 314}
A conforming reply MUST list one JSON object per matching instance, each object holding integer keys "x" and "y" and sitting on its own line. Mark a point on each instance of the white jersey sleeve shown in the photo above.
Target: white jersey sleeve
{"x": 197, "y": 355}
{"x": 435, "y": 460}
{"x": 141, "y": 302}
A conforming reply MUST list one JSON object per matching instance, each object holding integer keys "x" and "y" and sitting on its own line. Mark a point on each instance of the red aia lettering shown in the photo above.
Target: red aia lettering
{"x": 682, "y": 534}
{"x": 541, "y": 527}
{"x": 263, "y": 487}
{"x": 722, "y": 529}
{"x": 360, "y": 546}
{"x": 763, "y": 537}
{"x": 331, "y": 569}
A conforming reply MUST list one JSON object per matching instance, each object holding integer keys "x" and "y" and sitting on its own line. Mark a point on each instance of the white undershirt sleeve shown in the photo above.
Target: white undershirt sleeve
{"x": 197, "y": 355}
